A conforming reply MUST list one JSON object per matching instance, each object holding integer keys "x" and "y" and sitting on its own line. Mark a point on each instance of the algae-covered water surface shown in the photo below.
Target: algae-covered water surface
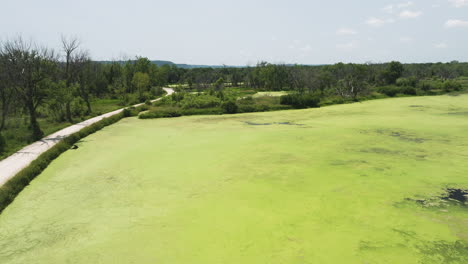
{"x": 375, "y": 182}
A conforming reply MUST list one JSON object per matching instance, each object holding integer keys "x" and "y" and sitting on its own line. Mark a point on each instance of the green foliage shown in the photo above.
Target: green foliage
{"x": 411, "y": 81}
{"x": 408, "y": 90}
{"x": 230, "y": 107}
{"x": 196, "y": 101}
{"x": 393, "y": 72}
{"x": 78, "y": 107}
{"x": 2, "y": 143}
{"x": 219, "y": 83}
{"x": 141, "y": 82}
{"x": 389, "y": 90}
{"x": 300, "y": 100}
{"x": 168, "y": 112}
{"x": 451, "y": 85}
{"x": 393, "y": 90}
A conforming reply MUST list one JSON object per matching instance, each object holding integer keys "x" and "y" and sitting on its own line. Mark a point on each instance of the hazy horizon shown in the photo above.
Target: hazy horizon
{"x": 242, "y": 32}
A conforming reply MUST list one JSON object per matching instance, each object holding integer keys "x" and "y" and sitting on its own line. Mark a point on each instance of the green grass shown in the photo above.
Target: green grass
{"x": 337, "y": 184}
{"x": 102, "y": 106}
{"x": 18, "y": 135}
{"x": 273, "y": 94}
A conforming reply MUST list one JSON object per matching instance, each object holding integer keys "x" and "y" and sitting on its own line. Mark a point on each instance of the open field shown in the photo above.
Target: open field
{"x": 355, "y": 183}
{"x": 274, "y": 94}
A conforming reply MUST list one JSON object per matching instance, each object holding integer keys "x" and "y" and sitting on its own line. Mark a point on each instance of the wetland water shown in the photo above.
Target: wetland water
{"x": 362, "y": 183}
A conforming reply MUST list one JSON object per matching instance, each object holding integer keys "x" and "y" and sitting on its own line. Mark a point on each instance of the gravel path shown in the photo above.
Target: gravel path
{"x": 10, "y": 166}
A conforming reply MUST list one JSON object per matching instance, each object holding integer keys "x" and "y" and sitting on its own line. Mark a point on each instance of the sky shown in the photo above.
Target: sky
{"x": 244, "y": 32}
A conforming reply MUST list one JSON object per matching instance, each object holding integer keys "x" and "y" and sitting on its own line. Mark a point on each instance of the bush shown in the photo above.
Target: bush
{"x": 78, "y": 107}
{"x": 408, "y": 90}
{"x": 157, "y": 91}
{"x": 389, "y": 90}
{"x": 161, "y": 113}
{"x": 127, "y": 112}
{"x": 200, "y": 101}
{"x": 230, "y": 107}
{"x": 411, "y": 81}
{"x": 451, "y": 86}
{"x": 425, "y": 86}
{"x": 144, "y": 97}
{"x": 300, "y": 100}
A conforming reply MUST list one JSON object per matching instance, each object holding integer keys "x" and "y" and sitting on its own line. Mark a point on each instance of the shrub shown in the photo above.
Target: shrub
{"x": 451, "y": 86}
{"x": 389, "y": 90}
{"x": 156, "y": 91}
{"x": 408, "y": 90}
{"x": 127, "y": 112}
{"x": 78, "y": 107}
{"x": 300, "y": 100}
{"x": 425, "y": 86}
{"x": 230, "y": 107}
{"x": 201, "y": 101}
{"x": 411, "y": 81}
{"x": 144, "y": 97}
{"x": 161, "y": 113}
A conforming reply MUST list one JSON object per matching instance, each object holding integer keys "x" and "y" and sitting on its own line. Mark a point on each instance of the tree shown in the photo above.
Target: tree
{"x": 393, "y": 72}
{"x": 6, "y": 91}
{"x": 141, "y": 82}
{"x": 69, "y": 46}
{"x": 219, "y": 84}
{"x": 354, "y": 81}
{"x": 29, "y": 68}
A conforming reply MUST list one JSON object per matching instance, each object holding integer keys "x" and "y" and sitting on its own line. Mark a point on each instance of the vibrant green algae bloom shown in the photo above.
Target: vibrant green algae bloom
{"x": 374, "y": 182}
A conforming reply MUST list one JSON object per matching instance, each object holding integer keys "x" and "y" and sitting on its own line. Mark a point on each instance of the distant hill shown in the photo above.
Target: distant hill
{"x": 192, "y": 66}
{"x": 181, "y": 65}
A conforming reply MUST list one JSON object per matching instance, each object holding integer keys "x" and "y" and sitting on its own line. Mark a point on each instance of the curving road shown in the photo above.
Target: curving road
{"x": 10, "y": 166}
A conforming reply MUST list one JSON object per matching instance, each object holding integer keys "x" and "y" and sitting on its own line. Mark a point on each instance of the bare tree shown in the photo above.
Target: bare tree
{"x": 69, "y": 46}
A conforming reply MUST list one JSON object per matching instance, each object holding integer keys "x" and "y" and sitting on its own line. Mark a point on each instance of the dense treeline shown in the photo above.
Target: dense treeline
{"x": 273, "y": 77}
{"x": 37, "y": 83}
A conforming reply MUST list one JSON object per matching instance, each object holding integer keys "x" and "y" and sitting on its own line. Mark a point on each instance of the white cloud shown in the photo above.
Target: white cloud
{"x": 377, "y": 22}
{"x": 346, "y": 31}
{"x": 456, "y": 23}
{"x": 389, "y": 9}
{"x": 441, "y": 45}
{"x": 459, "y": 3}
{"x": 406, "y": 39}
{"x": 406, "y": 4}
{"x": 410, "y": 14}
{"x": 348, "y": 46}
